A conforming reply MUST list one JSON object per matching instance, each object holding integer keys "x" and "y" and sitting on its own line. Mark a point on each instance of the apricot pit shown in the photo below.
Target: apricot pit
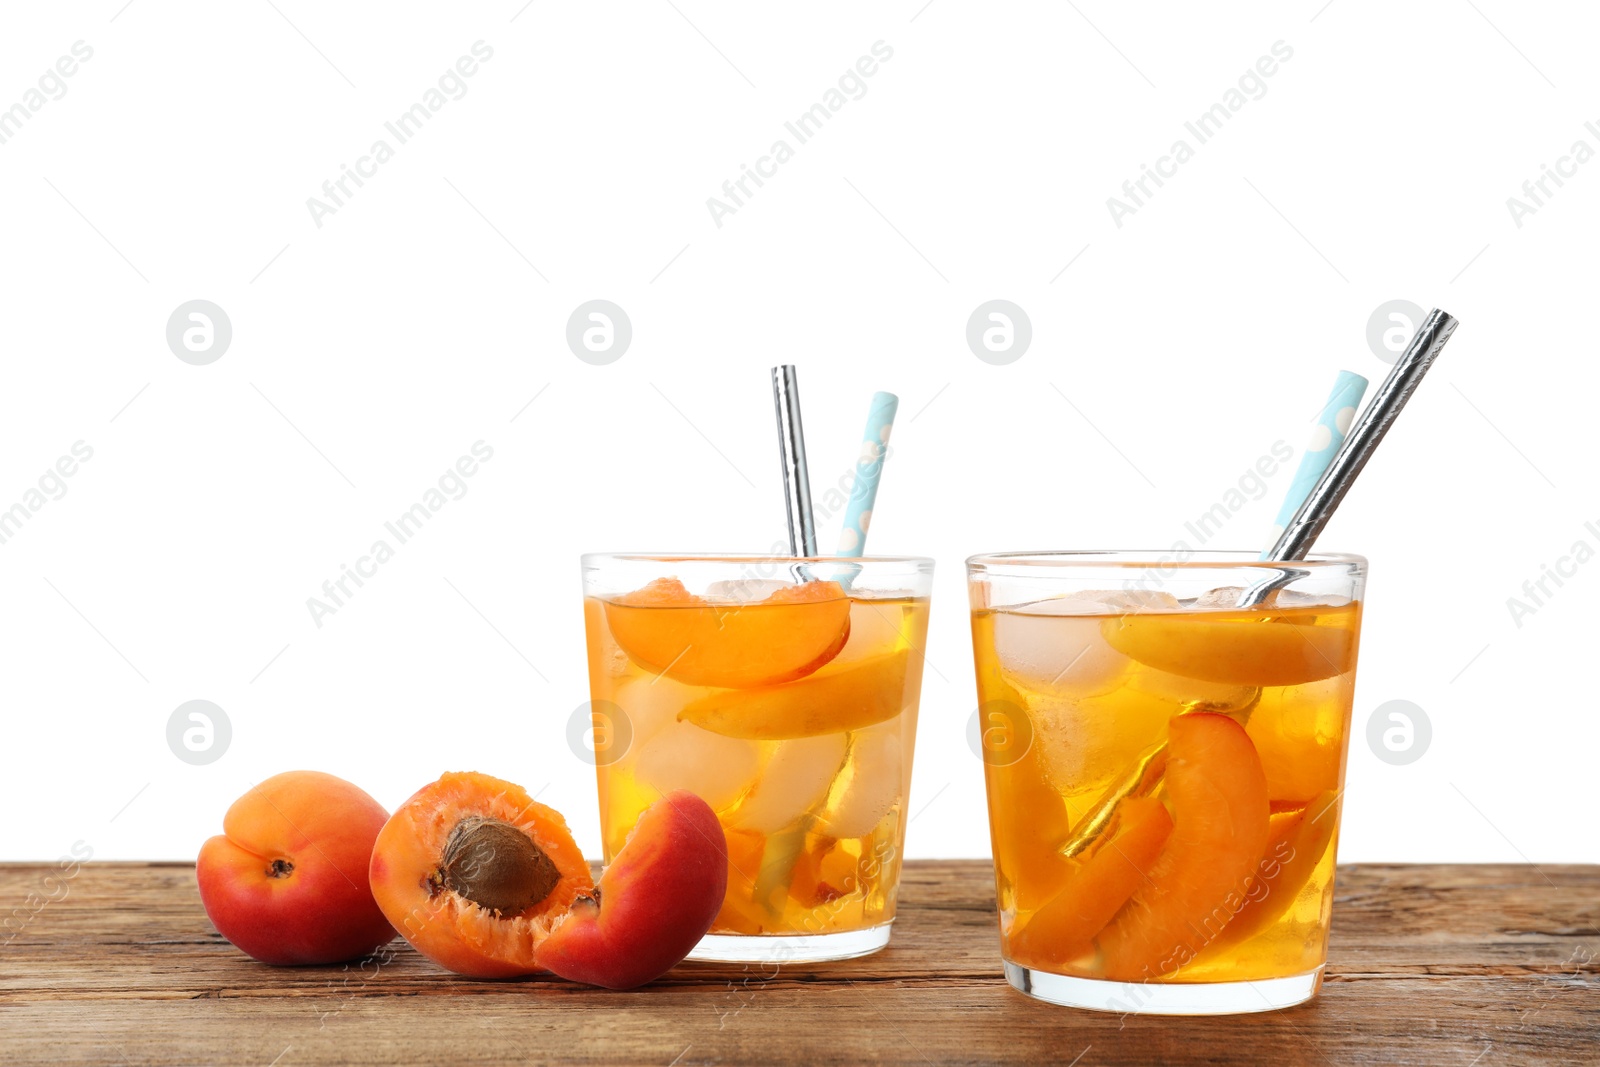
{"x": 496, "y": 866}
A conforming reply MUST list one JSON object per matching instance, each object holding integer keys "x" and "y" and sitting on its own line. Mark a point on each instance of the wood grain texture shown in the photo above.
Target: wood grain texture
{"x": 1460, "y": 965}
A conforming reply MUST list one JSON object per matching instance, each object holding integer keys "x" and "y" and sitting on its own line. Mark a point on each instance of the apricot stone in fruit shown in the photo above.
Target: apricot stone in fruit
{"x": 474, "y": 873}
{"x": 497, "y": 866}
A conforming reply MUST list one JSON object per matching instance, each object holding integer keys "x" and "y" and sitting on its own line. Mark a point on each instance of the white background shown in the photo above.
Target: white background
{"x": 369, "y": 353}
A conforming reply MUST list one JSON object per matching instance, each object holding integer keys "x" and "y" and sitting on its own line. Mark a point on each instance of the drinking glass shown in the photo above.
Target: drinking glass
{"x": 784, "y": 693}
{"x": 1164, "y": 770}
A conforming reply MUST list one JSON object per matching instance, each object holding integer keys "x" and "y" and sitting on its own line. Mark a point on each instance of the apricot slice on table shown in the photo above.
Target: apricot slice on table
{"x": 475, "y": 874}
{"x": 853, "y": 698}
{"x": 654, "y": 902}
{"x": 668, "y": 630}
{"x": 1238, "y": 648}
{"x": 286, "y": 881}
{"x": 1095, "y": 889}
{"x": 1218, "y": 797}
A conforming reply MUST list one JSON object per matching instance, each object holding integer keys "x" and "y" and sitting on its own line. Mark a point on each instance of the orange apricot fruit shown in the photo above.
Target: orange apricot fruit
{"x": 1220, "y": 812}
{"x": 475, "y": 874}
{"x": 668, "y": 630}
{"x": 655, "y": 901}
{"x": 1296, "y": 845}
{"x": 1095, "y": 889}
{"x": 853, "y": 698}
{"x": 286, "y": 880}
{"x": 1290, "y": 647}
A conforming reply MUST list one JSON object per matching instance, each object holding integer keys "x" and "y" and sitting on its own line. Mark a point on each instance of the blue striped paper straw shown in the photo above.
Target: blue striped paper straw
{"x": 1326, "y": 436}
{"x": 869, "y": 468}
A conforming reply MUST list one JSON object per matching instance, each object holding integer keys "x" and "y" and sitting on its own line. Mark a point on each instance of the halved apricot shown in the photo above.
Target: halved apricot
{"x": 475, "y": 874}
{"x": 1295, "y": 847}
{"x": 1287, "y": 647}
{"x": 654, "y": 903}
{"x": 1095, "y": 890}
{"x": 668, "y": 630}
{"x": 1219, "y": 804}
{"x": 854, "y": 698}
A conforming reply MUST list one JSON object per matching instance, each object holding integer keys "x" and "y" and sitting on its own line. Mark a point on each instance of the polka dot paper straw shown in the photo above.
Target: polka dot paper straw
{"x": 1326, "y": 437}
{"x": 869, "y": 467}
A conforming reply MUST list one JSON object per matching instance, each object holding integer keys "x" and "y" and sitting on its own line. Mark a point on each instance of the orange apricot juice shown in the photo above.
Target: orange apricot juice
{"x": 791, "y": 709}
{"x": 1164, "y": 779}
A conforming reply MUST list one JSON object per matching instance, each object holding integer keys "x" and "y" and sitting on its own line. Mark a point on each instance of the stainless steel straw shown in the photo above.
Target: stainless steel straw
{"x": 1335, "y": 482}
{"x": 792, "y": 454}
{"x": 1308, "y": 521}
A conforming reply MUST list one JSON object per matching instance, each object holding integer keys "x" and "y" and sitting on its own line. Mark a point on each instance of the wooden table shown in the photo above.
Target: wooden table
{"x": 1441, "y": 965}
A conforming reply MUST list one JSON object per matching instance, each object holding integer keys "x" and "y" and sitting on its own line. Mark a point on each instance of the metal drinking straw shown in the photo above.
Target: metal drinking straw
{"x": 792, "y": 454}
{"x": 1309, "y": 519}
{"x": 1326, "y": 495}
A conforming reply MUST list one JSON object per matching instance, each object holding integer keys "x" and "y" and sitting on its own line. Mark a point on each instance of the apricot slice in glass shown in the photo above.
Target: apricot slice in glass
{"x": 667, "y": 630}
{"x": 1096, "y": 888}
{"x": 1238, "y": 648}
{"x": 853, "y": 698}
{"x": 1295, "y": 846}
{"x": 739, "y": 915}
{"x": 1029, "y": 816}
{"x": 1219, "y": 806}
{"x": 475, "y": 873}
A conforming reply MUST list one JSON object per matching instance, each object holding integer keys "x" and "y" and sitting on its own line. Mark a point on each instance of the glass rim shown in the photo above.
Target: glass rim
{"x": 1116, "y": 559}
{"x": 591, "y": 558}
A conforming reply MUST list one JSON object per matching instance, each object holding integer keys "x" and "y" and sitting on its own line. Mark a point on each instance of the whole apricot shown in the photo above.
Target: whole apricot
{"x": 286, "y": 880}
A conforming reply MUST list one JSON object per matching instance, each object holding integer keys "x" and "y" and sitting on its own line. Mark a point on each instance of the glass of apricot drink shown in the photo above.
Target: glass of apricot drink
{"x": 784, "y": 693}
{"x": 1164, "y": 771}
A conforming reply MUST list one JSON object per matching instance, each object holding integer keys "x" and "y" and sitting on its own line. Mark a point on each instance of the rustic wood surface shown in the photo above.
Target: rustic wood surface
{"x": 1439, "y": 965}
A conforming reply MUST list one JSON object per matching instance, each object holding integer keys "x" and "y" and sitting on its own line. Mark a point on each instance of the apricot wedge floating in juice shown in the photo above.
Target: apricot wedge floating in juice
{"x": 1295, "y": 846}
{"x": 668, "y": 630}
{"x": 1295, "y": 646}
{"x": 1095, "y": 890}
{"x": 1219, "y": 806}
{"x": 1033, "y": 817}
{"x": 849, "y": 699}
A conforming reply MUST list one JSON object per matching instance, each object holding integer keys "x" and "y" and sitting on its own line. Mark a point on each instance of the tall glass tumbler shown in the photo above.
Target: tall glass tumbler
{"x": 1164, "y": 772}
{"x": 784, "y": 693}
